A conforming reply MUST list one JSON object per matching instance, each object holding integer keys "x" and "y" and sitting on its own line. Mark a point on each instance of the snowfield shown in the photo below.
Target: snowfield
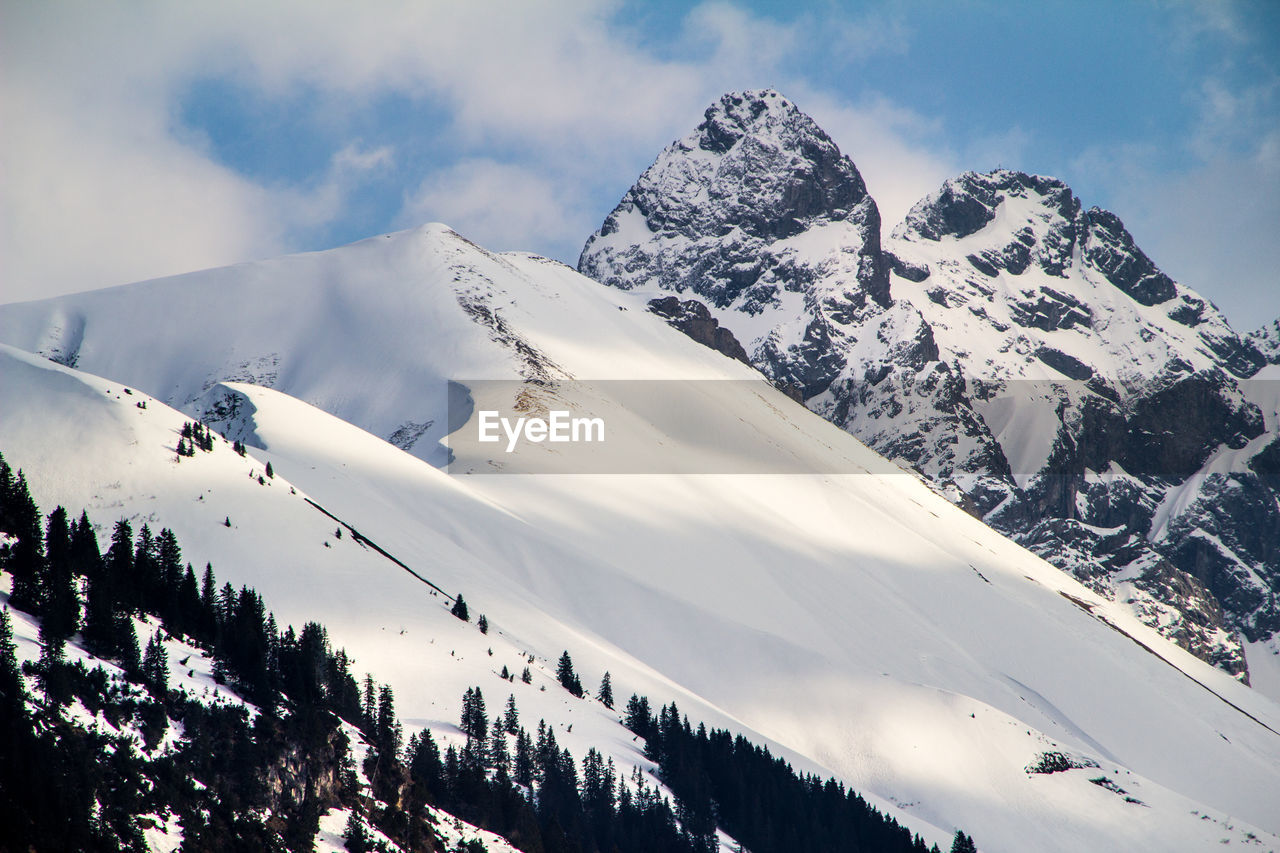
{"x": 854, "y": 620}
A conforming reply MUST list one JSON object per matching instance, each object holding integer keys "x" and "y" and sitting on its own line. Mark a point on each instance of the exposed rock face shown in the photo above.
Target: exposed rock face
{"x": 1267, "y": 342}
{"x": 692, "y": 317}
{"x": 1016, "y": 348}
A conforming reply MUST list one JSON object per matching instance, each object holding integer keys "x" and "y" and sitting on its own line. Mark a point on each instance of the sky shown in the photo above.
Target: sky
{"x": 141, "y": 139}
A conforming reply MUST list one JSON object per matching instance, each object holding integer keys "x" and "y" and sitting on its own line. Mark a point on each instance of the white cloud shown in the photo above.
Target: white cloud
{"x": 892, "y": 147}
{"x": 500, "y": 206}
{"x": 104, "y": 186}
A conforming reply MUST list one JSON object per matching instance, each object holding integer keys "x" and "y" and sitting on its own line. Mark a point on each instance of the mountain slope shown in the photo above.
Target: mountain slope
{"x": 877, "y": 631}
{"x": 1026, "y": 356}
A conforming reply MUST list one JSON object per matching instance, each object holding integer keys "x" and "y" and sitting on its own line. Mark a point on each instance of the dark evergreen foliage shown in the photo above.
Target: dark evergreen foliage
{"x": 566, "y": 676}
{"x": 726, "y": 781}
{"x": 459, "y": 609}
{"x": 605, "y": 693}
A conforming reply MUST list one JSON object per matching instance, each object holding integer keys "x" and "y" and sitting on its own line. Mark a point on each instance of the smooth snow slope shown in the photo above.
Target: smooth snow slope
{"x": 861, "y": 621}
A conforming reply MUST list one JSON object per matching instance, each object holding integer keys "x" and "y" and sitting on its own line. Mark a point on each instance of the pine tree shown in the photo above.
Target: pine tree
{"x": 605, "y": 694}
{"x": 566, "y": 676}
{"x": 13, "y": 691}
{"x": 145, "y": 578}
{"x": 424, "y": 762}
{"x": 126, "y": 644}
{"x": 497, "y": 756}
{"x": 526, "y": 676}
{"x": 963, "y": 843}
{"x": 102, "y": 616}
{"x": 169, "y": 573}
{"x": 155, "y": 665}
{"x": 511, "y": 717}
{"x": 62, "y": 606}
{"x": 270, "y": 472}
{"x": 483, "y": 624}
{"x": 26, "y": 556}
{"x": 459, "y": 609}
{"x": 355, "y": 837}
{"x": 369, "y": 710}
{"x": 387, "y": 732}
{"x": 639, "y": 718}
{"x": 523, "y": 771}
{"x": 119, "y": 565}
{"x": 475, "y": 719}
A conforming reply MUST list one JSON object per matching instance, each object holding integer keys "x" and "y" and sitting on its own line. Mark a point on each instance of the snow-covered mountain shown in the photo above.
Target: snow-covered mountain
{"x": 1025, "y": 355}
{"x": 1267, "y": 340}
{"x": 858, "y": 623}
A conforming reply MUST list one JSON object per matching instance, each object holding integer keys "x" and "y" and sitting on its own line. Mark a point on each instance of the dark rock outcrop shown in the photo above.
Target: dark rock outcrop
{"x": 692, "y": 317}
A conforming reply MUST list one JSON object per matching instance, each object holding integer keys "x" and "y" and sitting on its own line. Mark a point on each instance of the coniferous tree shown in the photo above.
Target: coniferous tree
{"x": 526, "y": 676}
{"x": 388, "y": 731}
{"x": 605, "y": 694}
{"x": 119, "y": 564}
{"x": 425, "y": 766}
{"x": 26, "y": 555}
{"x": 511, "y": 717}
{"x": 126, "y": 643}
{"x": 108, "y": 631}
{"x": 459, "y": 609}
{"x": 168, "y": 557}
{"x": 62, "y": 606}
{"x": 523, "y": 771}
{"x": 483, "y": 624}
{"x": 963, "y": 843}
{"x": 356, "y": 837}
{"x": 639, "y": 719}
{"x": 475, "y": 719}
{"x": 566, "y": 676}
{"x": 155, "y": 665}
{"x": 498, "y": 757}
{"x": 86, "y": 559}
{"x": 13, "y": 691}
{"x": 144, "y": 580}
{"x": 270, "y": 472}
{"x": 370, "y": 707}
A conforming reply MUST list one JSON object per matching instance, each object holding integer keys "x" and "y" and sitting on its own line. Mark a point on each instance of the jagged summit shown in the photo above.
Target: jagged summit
{"x": 1046, "y": 223}
{"x": 755, "y": 172}
{"x": 1020, "y": 252}
{"x": 1267, "y": 340}
{"x": 968, "y": 203}
{"x": 757, "y": 162}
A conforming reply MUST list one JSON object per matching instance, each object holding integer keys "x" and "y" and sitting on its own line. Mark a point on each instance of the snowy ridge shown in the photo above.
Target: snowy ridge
{"x": 1267, "y": 340}
{"x": 885, "y": 636}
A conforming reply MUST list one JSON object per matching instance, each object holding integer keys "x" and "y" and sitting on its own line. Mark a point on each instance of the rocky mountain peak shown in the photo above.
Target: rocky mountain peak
{"x": 739, "y": 114}
{"x": 1267, "y": 341}
{"x": 968, "y": 203}
{"x": 754, "y": 172}
{"x": 1040, "y": 222}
